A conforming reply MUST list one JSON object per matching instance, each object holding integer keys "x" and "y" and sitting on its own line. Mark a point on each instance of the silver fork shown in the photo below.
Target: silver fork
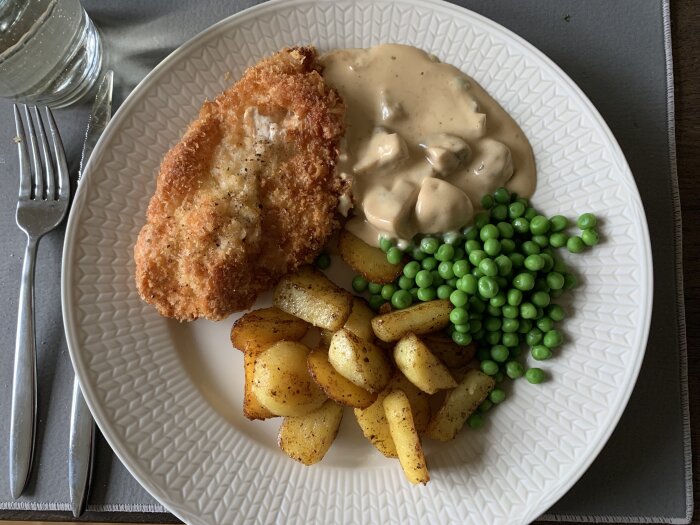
{"x": 44, "y": 195}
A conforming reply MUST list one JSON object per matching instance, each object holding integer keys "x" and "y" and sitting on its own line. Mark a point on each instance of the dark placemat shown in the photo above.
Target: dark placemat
{"x": 619, "y": 55}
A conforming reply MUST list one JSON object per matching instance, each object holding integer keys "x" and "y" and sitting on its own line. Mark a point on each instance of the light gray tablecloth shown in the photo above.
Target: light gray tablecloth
{"x": 616, "y": 51}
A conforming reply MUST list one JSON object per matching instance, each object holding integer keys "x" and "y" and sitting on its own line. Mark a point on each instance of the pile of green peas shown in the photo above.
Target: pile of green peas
{"x": 501, "y": 274}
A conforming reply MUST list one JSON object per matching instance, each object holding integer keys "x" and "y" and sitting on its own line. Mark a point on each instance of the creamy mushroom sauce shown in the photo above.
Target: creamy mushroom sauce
{"x": 424, "y": 143}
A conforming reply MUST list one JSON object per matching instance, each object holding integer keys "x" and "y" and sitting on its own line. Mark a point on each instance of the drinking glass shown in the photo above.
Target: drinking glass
{"x": 50, "y": 51}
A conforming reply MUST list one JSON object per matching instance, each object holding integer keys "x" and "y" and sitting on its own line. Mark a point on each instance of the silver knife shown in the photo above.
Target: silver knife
{"x": 82, "y": 427}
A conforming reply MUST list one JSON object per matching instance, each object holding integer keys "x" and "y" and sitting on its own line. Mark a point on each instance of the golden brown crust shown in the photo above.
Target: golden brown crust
{"x": 234, "y": 210}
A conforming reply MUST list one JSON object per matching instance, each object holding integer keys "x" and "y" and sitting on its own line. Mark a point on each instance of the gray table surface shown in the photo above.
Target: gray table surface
{"x": 616, "y": 52}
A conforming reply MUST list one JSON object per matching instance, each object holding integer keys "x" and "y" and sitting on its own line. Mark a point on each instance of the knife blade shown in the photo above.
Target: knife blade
{"x": 82, "y": 427}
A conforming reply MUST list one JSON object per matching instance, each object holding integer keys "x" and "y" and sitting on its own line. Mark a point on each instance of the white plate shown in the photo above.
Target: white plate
{"x": 167, "y": 396}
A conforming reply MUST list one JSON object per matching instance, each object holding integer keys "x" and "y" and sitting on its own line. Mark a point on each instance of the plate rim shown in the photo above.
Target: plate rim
{"x": 72, "y": 224}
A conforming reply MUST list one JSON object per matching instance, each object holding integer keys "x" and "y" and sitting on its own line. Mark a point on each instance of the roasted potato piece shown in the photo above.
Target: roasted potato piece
{"x": 334, "y": 385}
{"x": 385, "y": 308}
{"x": 373, "y": 422}
{"x": 449, "y": 352}
{"x": 421, "y": 318}
{"x": 282, "y": 383}
{"x": 359, "y": 361}
{"x": 459, "y": 404}
{"x": 308, "y": 438}
{"x": 403, "y": 431}
{"x": 420, "y": 366}
{"x": 360, "y": 320}
{"x": 367, "y": 260}
{"x": 252, "y": 408}
{"x": 258, "y": 329}
{"x": 309, "y": 295}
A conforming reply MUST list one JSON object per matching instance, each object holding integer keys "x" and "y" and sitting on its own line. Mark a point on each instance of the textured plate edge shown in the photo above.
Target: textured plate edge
{"x": 68, "y": 250}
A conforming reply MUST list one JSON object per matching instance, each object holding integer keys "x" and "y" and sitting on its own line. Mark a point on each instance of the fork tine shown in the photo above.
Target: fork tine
{"x": 49, "y": 176}
{"x": 36, "y": 160}
{"x": 25, "y": 171}
{"x": 61, "y": 165}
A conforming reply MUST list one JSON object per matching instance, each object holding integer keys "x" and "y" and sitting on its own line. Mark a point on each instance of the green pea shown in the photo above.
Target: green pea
{"x": 534, "y": 337}
{"x": 385, "y": 243}
{"x": 401, "y": 299}
{"x": 534, "y": 262}
{"x": 555, "y": 280}
{"x": 468, "y": 284}
{"x": 499, "y": 353}
{"x": 429, "y": 245}
{"x": 418, "y": 254}
{"x": 485, "y": 406}
{"x": 427, "y": 294}
{"x": 472, "y": 246}
{"x": 460, "y": 268}
{"x": 445, "y": 252}
{"x": 394, "y": 255}
{"x": 590, "y": 237}
{"x": 470, "y": 233}
{"x": 530, "y": 214}
{"x": 424, "y": 279}
{"x": 541, "y": 285}
{"x": 575, "y": 244}
{"x": 530, "y": 248}
{"x": 501, "y": 196}
{"x": 518, "y": 259}
{"x": 528, "y": 311}
{"x": 488, "y": 287}
{"x": 375, "y": 301}
{"x": 541, "y": 240}
{"x": 524, "y": 282}
{"x": 459, "y": 316}
{"x": 499, "y": 212}
{"x": 556, "y": 312}
{"x": 492, "y": 247}
{"x": 481, "y": 219}
{"x": 492, "y": 324}
{"x": 462, "y": 328}
{"x": 461, "y": 339}
{"x": 558, "y": 223}
{"x": 323, "y": 261}
{"x": 488, "y": 367}
{"x": 437, "y": 278}
{"x": 510, "y": 312}
{"x": 560, "y": 266}
{"x": 525, "y": 326}
{"x": 479, "y": 335}
{"x": 411, "y": 269}
{"x": 502, "y": 282}
{"x": 514, "y": 369}
{"x": 498, "y": 300}
{"x": 387, "y": 291}
{"x": 521, "y": 225}
{"x": 477, "y": 305}
{"x": 499, "y": 377}
{"x": 505, "y": 229}
{"x": 430, "y": 263}
{"x": 504, "y": 264}
{"x": 487, "y": 201}
{"x": 476, "y": 421}
{"x": 497, "y": 396}
{"x": 516, "y": 209}
{"x": 476, "y": 272}
{"x": 548, "y": 262}
{"x": 523, "y": 201}
{"x": 570, "y": 281}
{"x": 374, "y": 288}
{"x": 510, "y": 325}
{"x": 489, "y": 267}
{"x": 535, "y": 376}
{"x": 474, "y": 325}
{"x": 493, "y": 310}
{"x": 515, "y": 297}
{"x": 459, "y": 298}
{"x": 510, "y": 339}
{"x": 558, "y": 240}
{"x": 452, "y": 283}
{"x": 540, "y": 352}
{"x": 444, "y": 291}
{"x": 490, "y": 231}
{"x": 477, "y": 256}
{"x": 414, "y": 293}
{"x": 459, "y": 253}
{"x": 553, "y": 339}
{"x": 359, "y": 284}
{"x": 545, "y": 324}
{"x": 586, "y": 221}
{"x": 493, "y": 338}
{"x": 405, "y": 283}
{"x": 507, "y": 246}
{"x": 540, "y": 299}
{"x": 516, "y": 351}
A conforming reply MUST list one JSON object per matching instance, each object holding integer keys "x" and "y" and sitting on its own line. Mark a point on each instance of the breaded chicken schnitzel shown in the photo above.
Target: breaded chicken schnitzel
{"x": 247, "y": 195}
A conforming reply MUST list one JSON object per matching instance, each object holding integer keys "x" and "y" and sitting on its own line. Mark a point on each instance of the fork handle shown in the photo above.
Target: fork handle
{"x": 22, "y": 422}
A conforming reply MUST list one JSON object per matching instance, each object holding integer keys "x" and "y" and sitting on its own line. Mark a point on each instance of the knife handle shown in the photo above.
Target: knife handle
{"x": 81, "y": 451}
